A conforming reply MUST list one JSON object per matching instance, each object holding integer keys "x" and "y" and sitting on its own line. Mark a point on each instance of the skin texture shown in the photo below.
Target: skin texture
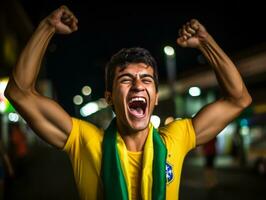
{"x": 53, "y": 124}
{"x": 135, "y": 80}
{"x": 44, "y": 115}
{"x": 215, "y": 116}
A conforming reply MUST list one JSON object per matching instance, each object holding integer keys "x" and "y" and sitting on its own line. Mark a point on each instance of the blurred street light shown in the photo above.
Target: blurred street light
{"x": 78, "y": 100}
{"x": 169, "y": 51}
{"x": 194, "y": 91}
{"x": 155, "y": 120}
{"x": 86, "y": 90}
{"x": 170, "y": 61}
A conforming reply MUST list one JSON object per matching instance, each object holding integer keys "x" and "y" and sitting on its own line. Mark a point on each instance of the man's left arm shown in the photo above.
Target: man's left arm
{"x": 211, "y": 119}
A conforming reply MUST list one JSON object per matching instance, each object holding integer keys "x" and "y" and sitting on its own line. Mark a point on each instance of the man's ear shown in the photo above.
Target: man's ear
{"x": 156, "y": 99}
{"x": 108, "y": 97}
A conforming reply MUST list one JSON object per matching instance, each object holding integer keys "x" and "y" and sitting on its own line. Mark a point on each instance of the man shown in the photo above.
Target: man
{"x": 129, "y": 160}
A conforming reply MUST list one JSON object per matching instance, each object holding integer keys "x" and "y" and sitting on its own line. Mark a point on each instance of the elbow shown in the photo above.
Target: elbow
{"x": 16, "y": 94}
{"x": 241, "y": 99}
{"x": 8, "y": 92}
{"x": 245, "y": 101}
{"x": 12, "y": 92}
{"x": 249, "y": 101}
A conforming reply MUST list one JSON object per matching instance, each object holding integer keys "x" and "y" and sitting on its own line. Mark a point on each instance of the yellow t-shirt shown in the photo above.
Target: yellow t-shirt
{"x": 84, "y": 149}
{"x": 135, "y": 169}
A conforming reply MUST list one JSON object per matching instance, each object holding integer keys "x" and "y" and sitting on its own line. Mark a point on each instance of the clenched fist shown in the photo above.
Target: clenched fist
{"x": 192, "y": 34}
{"x": 63, "y": 20}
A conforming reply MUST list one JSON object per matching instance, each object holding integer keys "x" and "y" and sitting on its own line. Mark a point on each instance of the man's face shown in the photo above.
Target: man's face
{"x": 134, "y": 96}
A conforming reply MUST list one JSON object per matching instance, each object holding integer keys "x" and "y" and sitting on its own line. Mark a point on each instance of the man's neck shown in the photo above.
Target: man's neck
{"x": 134, "y": 141}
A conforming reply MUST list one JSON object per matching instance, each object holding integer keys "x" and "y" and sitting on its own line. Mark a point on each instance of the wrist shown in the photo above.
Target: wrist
{"x": 47, "y": 25}
{"x": 205, "y": 41}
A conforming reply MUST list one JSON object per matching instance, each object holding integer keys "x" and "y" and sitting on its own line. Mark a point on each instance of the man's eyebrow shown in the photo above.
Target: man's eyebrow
{"x": 132, "y": 76}
{"x": 125, "y": 74}
{"x": 146, "y": 75}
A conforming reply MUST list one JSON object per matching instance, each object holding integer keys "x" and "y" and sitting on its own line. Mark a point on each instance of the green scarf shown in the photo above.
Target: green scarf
{"x": 114, "y": 183}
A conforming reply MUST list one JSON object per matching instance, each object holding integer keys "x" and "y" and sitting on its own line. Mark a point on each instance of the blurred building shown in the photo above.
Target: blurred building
{"x": 196, "y": 88}
{"x": 192, "y": 90}
{"x": 15, "y": 30}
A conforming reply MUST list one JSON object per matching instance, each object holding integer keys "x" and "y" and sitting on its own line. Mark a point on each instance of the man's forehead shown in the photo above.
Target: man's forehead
{"x": 135, "y": 68}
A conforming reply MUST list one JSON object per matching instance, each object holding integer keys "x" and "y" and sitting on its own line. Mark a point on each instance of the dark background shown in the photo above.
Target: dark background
{"x": 76, "y": 60}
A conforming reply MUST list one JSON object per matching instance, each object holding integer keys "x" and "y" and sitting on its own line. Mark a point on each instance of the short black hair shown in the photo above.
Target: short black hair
{"x": 126, "y": 56}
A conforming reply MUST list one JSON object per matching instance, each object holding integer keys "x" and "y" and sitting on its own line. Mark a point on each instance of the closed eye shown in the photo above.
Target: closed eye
{"x": 147, "y": 80}
{"x": 126, "y": 80}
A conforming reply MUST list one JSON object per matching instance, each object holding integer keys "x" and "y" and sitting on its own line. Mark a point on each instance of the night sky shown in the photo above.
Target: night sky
{"x": 79, "y": 59}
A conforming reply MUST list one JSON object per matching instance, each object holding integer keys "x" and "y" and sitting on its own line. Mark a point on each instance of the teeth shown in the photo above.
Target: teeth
{"x": 137, "y": 99}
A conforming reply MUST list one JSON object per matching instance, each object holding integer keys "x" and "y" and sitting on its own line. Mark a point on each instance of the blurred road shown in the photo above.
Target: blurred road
{"x": 47, "y": 174}
{"x": 233, "y": 182}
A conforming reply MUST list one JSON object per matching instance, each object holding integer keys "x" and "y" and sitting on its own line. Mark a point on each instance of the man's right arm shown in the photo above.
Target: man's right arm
{"x": 44, "y": 115}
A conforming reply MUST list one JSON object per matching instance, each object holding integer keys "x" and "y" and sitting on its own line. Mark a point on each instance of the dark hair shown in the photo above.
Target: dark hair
{"x": 126, "y": 56}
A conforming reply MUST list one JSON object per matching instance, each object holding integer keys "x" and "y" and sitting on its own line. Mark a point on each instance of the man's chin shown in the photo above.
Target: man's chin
{"x": 139, "y": 124}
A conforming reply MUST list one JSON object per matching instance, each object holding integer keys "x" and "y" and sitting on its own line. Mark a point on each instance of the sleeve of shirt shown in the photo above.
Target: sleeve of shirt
{"x": 81, "y": 135}
{"x": 73, "y": 141}
{"x": 181, "y": 133}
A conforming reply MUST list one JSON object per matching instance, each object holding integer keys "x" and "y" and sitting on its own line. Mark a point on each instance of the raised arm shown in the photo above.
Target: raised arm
{"x": 43, "y": 115}
{"x": 212, "y": 118}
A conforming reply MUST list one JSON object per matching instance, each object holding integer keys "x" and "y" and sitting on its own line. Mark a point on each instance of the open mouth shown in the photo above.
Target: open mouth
{"x": 137, "y": 106}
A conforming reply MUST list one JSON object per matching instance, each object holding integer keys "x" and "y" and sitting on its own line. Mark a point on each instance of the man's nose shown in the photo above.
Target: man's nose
{"x": 137, "y": 85}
